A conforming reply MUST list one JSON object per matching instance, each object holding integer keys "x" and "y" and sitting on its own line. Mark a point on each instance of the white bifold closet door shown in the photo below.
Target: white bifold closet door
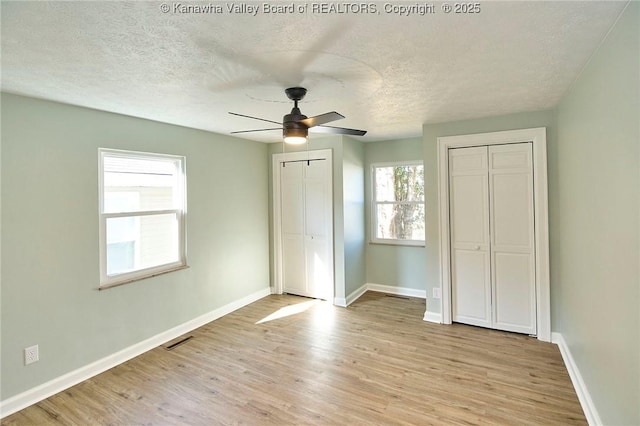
{"x": 307, "y": 265}
{"x": 492, "y": 237}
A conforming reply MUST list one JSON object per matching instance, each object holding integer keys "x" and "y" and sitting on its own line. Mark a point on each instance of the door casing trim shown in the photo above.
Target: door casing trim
{"x": 277, "y": 159}
{"x": 538, "y": 138}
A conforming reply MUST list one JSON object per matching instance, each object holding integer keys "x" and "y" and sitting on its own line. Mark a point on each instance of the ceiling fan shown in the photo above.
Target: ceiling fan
{"x": 295, "y": 126}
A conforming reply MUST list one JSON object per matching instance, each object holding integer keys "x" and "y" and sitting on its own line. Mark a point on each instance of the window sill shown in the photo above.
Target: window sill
{"x": 139, "y": 278}
{"x": 398, "y": 243}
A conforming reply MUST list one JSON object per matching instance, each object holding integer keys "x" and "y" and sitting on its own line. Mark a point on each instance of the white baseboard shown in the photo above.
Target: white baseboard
{"x": 586, "y": 402}
{"x": 340, "y": 301}
{"x": 400, "y": 291}
{"x": 45, "y": 390}
{"x": 343, "y": 302}
{"x": 435, "y": 317}
{"x": 356, "y": 294}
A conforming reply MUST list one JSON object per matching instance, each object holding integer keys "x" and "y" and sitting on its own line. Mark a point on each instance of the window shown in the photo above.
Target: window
{"x": 398, "y": 203}
{"x": 142, "y": 215}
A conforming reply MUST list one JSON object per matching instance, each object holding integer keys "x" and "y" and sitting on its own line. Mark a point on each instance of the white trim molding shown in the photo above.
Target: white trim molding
{"x": 435, "y": 317}
{"x": 389, "y": 289}
{"x": 584, "y": 396}
{"x": 45, "y": 390}
{"x": 538, "y": 138}
{"x": 340, "y": 302}
{"x": 356, "y": 294}
{"x": 399, "y": 291}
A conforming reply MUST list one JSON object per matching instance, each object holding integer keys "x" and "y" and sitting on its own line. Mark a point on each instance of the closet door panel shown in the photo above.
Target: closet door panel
{"x": 318, "y": 266}
{"x": 512, "y": 210}
{"x": 471, "y": 289}
{"x": 470, "y": 260}
{"x": 512, "y": 238}
{"x": 292, "y": 190}
{"x": 315, "y": 198}
{"x": 292, "y": 199}
{"x": 294, "y": 265}
{"x": 317, "y": 206}
{"x": 513, "y": 292}
{"x": 469, "y": 211}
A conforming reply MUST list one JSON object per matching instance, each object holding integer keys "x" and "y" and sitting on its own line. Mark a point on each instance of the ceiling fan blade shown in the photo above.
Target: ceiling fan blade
{"x": 240, "y": 83}
{"x": 323, "y": 44}
{"x": 255, "y": 118}
{"x": 338, "y": 131}
{"x": 250, "y": 62}
{"x": 321, "y": 119}
{"x": 256, "y": 130}
{"x": 266, "y": 70}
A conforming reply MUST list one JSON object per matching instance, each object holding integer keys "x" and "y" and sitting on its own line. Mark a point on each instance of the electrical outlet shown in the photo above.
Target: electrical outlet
{"x": 31, "y": 355}
{"x": 436, "y": 293}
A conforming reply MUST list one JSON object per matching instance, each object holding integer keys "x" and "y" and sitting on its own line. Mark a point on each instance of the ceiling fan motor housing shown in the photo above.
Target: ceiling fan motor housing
{"x": 292, "y": 126}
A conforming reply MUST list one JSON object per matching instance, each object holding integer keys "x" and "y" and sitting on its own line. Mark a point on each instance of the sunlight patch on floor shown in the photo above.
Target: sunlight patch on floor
{"x": 290, "y": 310}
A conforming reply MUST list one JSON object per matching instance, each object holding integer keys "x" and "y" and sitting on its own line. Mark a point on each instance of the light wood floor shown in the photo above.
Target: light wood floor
{"x": 374, "y": 363}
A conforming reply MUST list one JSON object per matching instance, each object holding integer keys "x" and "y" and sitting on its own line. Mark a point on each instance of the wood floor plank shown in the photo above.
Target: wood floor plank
{"x": 286, "y": 360}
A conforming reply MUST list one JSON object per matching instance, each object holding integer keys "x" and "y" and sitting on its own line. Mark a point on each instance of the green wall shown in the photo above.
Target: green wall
{"x": 50, "y": 269}
{"x": 597, "y": 284}
{"x": 353, "y": 171}
{"x": 398, "y": 266}
{"x": 431, "y": 132}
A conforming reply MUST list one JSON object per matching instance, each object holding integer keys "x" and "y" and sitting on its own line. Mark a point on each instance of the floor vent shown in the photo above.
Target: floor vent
{"x": 174, "y": 345}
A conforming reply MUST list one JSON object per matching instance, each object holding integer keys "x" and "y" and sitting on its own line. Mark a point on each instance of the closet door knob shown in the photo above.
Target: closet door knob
{"x": 476, "y": 248}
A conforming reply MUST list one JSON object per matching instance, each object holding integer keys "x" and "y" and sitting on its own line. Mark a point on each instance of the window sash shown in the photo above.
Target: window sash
{"x": 140, "y": 213}
{"x": 137, "y": 274}
{"x": 400, "y": 202}
{"x": 180, "y": 177}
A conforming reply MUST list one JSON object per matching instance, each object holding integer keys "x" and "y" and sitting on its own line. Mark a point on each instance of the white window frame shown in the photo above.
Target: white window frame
{"x": 107, "y": 281}
{"x": 375, "y": 203}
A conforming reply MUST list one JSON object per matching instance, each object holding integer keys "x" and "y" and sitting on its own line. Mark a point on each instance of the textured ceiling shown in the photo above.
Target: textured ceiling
{"x": 387, "y": 73}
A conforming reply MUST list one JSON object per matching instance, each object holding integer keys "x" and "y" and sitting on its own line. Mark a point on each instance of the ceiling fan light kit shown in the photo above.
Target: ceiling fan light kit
{"x": 295, "y": 136}
{"x": 295, "y": 125}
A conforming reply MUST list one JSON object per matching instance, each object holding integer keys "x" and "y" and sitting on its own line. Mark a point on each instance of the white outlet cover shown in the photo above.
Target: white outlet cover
{"x": 436, "y": 293}
{"x": 31, "y": 354}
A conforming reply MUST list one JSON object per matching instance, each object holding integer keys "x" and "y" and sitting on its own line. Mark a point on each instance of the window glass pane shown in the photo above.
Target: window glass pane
{"x": 120, "y": 257}
{"x": 122, "y": 236}
{"x": 400, "y": 221}
{"x": 132, "y": 184}
{"x": 384, "y": 184}
{"x": 399, "y": 183}
{"x": 141, "y": 242}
